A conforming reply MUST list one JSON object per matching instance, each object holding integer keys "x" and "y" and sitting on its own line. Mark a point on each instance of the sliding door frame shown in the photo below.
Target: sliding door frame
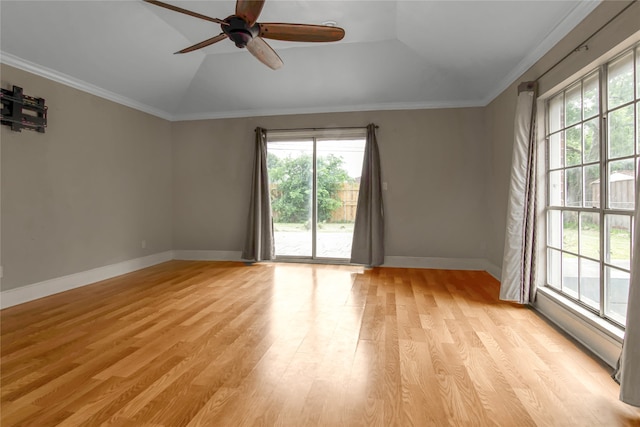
{"x": 282, "y": 135}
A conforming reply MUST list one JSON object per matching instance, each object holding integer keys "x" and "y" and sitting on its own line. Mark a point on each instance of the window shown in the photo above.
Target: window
{"x": 593, "y": 146}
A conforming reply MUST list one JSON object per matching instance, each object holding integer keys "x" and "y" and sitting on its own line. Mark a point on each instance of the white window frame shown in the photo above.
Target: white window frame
{"x": 602, "y": 163}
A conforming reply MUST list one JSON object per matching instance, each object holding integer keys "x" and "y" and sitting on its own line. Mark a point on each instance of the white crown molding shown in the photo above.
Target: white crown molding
{"x": 565, "y": 26}
{"x": 56, "y": 76}
{"x": 43, "y": 289}
{"x": 22, "y": 64}
{"x": 568, "y": 23}
{"x": 329, "y": 109}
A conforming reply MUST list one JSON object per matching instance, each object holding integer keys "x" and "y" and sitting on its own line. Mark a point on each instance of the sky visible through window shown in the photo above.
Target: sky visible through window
{"x": 349, "y": 150}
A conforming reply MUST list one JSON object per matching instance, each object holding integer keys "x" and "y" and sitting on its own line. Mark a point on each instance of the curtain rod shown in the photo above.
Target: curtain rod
{"x": 315, "y": 129}
{"x": 583, "y": 46}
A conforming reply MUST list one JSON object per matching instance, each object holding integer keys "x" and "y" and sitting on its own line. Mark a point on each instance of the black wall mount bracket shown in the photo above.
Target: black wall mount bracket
{"x": 22, "y": 112}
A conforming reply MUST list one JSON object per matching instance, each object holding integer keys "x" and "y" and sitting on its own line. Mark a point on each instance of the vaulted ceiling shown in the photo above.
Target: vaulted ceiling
{"x": 396, "y": 54}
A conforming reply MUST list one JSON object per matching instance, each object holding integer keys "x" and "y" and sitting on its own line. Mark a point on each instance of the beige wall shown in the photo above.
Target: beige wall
{"x": 85, "y": 193}
{"x": 104, "y": 177}
{"x": 447, "y": 170}
{"x": 500, "y": 113}
{"x": 434, "y": 162}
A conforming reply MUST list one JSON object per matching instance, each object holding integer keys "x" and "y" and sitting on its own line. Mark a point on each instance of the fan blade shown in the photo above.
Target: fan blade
{"x": 301, "y": 32}
{"x": 249, "y": 10}
{"x": 205, "y": 43}
{"x": 186, "y": 12}
{"x": 265, "y": 53}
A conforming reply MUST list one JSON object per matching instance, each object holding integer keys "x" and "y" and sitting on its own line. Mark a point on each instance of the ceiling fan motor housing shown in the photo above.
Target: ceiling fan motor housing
{"x": 238, "y": 30}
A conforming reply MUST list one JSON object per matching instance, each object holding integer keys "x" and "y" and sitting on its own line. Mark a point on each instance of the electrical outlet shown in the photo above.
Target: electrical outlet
{"x": 143, "y": 244}
{"x": 384, "y": 186}
{"x": 1, "y": 272}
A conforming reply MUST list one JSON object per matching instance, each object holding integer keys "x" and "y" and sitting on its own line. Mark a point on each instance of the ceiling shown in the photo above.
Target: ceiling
{"x": 395, "y": 55}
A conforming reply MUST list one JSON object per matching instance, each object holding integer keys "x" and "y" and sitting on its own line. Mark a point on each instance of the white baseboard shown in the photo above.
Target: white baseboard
{"x": 595, "y": 334}
{"x": 440, "y": 263}
{"x": 49, "y": 287}
{"x": 494, "y": 270}
{"x": 60, "y": 284}
{"x": 389, "y": 261}
{"x": 188, "y": 255}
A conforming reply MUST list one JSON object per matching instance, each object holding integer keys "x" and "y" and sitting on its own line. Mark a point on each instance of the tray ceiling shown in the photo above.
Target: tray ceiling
{"x": 396, "y": 54}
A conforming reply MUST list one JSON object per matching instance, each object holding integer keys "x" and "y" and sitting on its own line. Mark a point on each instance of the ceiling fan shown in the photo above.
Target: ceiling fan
{"x": 244, "y": 31}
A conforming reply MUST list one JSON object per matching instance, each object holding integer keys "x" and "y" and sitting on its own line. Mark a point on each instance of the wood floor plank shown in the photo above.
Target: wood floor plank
{"x": 220, "y": 343}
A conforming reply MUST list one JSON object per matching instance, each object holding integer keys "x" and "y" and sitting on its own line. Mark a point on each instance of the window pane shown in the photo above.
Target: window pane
{"x": 592, "y": 186}
{"x": 573, "y": 145}
{"x": 291, "y": 195}
{"x": 573, "y": 105}
{"x": 338, "y": 167}
{"x": 556, "y": 121}
{"x": 638, "y": 125}
{"x": 570, "y": 274}
{"x": 556, "y": 147}
{"x": 616, "y": 294}
{"x": 590, "y": 235}
{"x": 638, "y": 73}
{"x": 621, "y": 132}
{"x": 620, "y": 81}
{"x": 591, "y": 141}
{"x": 618, "y": 240}
{"x": 556, "y": 188}
{"x": 574, "y": 187}
{"x": 554, "y": 229}
{"x": 590, "y": 283}
{"x": 554, "y": 260}
{"x": 621, "y": 184}
{"x": 591, "y": 96}
{"x": 570, "y": 231}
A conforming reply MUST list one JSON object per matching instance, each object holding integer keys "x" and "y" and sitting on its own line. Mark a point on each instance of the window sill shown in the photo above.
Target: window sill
{"x": 585, "y": 315}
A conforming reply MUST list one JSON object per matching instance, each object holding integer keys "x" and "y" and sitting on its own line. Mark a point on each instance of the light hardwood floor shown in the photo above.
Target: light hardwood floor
{"x": 224, "y": 344}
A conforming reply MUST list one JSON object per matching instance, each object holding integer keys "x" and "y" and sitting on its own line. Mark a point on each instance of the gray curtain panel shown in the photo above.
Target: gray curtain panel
{"x": 368, "y": 233}
{"x": 518, "y": 263}
{"x": 259, "y": 243}
{"x": 628, "y": 371}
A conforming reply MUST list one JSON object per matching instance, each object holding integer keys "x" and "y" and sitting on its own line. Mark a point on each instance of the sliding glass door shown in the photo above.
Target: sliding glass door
{"x": 314, "y": 183}
{"x": 290, "y": 166}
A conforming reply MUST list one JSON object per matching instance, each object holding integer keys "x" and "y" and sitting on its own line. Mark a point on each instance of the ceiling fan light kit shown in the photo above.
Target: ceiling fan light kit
{"x": 243, "y": 30}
